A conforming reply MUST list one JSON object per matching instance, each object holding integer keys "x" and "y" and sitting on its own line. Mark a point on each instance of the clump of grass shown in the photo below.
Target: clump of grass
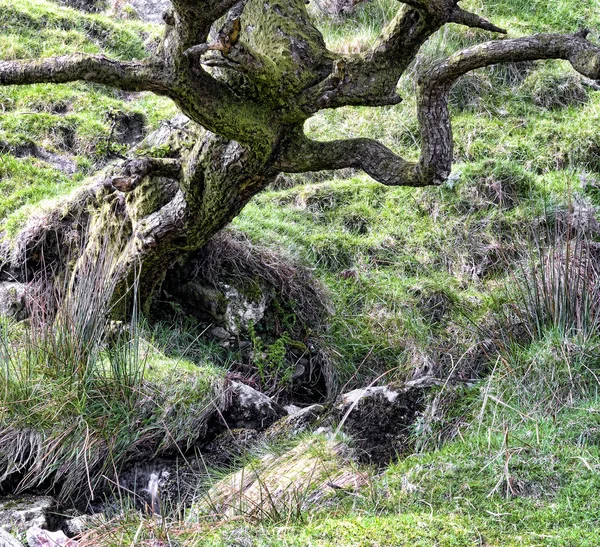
{"x": 558, "y": 287}
{"x": 554, "y": 89}
{"x": 79, "y": 401}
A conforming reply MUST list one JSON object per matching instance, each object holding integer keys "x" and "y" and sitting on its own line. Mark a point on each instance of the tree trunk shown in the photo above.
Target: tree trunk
{"x": 136, "y": 217}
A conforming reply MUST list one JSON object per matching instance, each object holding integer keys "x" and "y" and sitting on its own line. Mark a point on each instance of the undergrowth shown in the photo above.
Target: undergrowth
{"x": 82, "y": 397}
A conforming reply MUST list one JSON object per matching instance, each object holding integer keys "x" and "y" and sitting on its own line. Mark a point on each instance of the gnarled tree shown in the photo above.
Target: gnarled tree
{"x": 250, "y": 73}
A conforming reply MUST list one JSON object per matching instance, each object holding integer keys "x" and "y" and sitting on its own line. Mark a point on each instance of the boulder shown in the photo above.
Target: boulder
{"x": 26, "y": 512}
{"x": 379, "y": 419}
{"x": 6, "y": 540}
{"x": 13, "y": 300}
{"x": 250, "y": 409}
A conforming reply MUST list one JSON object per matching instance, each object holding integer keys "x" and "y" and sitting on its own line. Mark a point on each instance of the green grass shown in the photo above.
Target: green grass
{"x": 71, "y": 120}
{"x": 415, "y": 278}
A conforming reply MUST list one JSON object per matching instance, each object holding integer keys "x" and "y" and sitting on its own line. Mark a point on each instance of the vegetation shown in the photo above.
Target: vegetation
{"x": 488, "y": 281}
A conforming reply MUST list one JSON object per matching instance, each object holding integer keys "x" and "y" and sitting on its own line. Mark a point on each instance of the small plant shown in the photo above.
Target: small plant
{"x": 558, "y": 287}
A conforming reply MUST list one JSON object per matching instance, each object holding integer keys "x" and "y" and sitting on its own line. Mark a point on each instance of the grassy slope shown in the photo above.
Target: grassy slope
{"x": 524, "y": 475}
{"x": 402, "y": 266}
{"x": 72, "y": 120}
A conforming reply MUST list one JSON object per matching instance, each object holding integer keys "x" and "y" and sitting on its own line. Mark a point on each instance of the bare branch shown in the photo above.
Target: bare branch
{"x": 126, "y": 75}
{"x": 469, "y": 19}
{"x": 582, "y": 54}
{"x": 435, "y": 163}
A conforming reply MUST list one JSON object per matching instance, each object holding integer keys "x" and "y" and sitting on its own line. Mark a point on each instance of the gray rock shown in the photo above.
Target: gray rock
{"x": 77, "y": 525}
{"x": 23, "y": 513}
{"x": 250, "y": 409}
{"x": 229, "y": 446}
{"x": 6, "y": 540}
{"x": 12, "y": 300}
{"x": 298, "y": 421}
{"x": 379, "y": 419}
{"x": 242, "y": 311}
{"x": 37, "y": 537}
{"x": 220, "y": 333}
{"x": 150, "y": 10}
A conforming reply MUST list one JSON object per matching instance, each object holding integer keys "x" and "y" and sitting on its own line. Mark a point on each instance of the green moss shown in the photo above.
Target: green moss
{"x": 282, "y": 73}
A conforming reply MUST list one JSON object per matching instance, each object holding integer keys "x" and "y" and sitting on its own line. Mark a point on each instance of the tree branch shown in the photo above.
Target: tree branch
{"x": 372, "y": 78}
{"x": 435, "y": 163}
{"x": 468, "y": 19}
{"x": 582, "y": 54}
{"x": 126, "y": 75}
{"x": 195, "y": 18}
{"x": 369, "y": 155}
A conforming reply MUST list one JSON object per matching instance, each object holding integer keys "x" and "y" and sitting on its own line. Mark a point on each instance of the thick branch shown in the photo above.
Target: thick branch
{"x": 368, "y": 155}
{"x": 435, "y": 164}
{"x": 195, "y": 18}
{"x": 371, "y": 79}
{"x": 126, "y": 75}
{"x": 582, "y": 54}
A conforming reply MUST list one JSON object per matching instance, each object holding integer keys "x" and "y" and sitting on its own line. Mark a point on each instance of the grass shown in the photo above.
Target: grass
{"x": 511, "y": 460}
{"x": 82, "y": 397}
{"x": 73, "y": 120}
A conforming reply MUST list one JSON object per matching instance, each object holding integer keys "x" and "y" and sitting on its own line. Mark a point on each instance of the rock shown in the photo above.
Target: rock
{"x": 220, "y": 333}
{"x": 229, "y": 445}
{"x": 6, "y": 540}
{"x": 292, "y": 409}
{"x": 13, "y": 300}
{"x": 23, "y": 513}
{"x": 304, "y": 477}
{"x": 37, "y": 537}
{"x": 298, "y": 421}
{"x": 379, "y": 419}
{"x": 78, "y": 525}
{"x": 250, "y": 409}
{"x": 150, "y": 10}
{"x": 128, "y": 128}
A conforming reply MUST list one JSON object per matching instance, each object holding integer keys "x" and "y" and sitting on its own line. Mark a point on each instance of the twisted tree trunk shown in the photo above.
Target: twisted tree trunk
{"x": 248, "y": 74}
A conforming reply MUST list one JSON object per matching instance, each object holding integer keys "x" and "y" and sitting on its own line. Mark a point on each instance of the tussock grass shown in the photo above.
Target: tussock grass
{"x": 81, "y": 398}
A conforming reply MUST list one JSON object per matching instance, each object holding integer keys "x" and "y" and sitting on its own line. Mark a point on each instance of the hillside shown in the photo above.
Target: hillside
{"x": 488, "y": 284}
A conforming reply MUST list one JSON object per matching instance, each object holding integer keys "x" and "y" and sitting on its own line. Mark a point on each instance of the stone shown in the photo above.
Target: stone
{"x": 220, "y": 333}
{"x": 298, "y": 421}
{"x": 78, "y": 525}
{"x": 13, "y": 300}
{"x": 228, "y": 446}
{"x": 37, "y": 537}
{"x": 150, "y": 10}
{"x": 6, "y": 540}
{"x": 23, "y": 513}
{"x": 250, "y": 409}
{"x": 304, "y": 477}
{"x": 379, "y": 419}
